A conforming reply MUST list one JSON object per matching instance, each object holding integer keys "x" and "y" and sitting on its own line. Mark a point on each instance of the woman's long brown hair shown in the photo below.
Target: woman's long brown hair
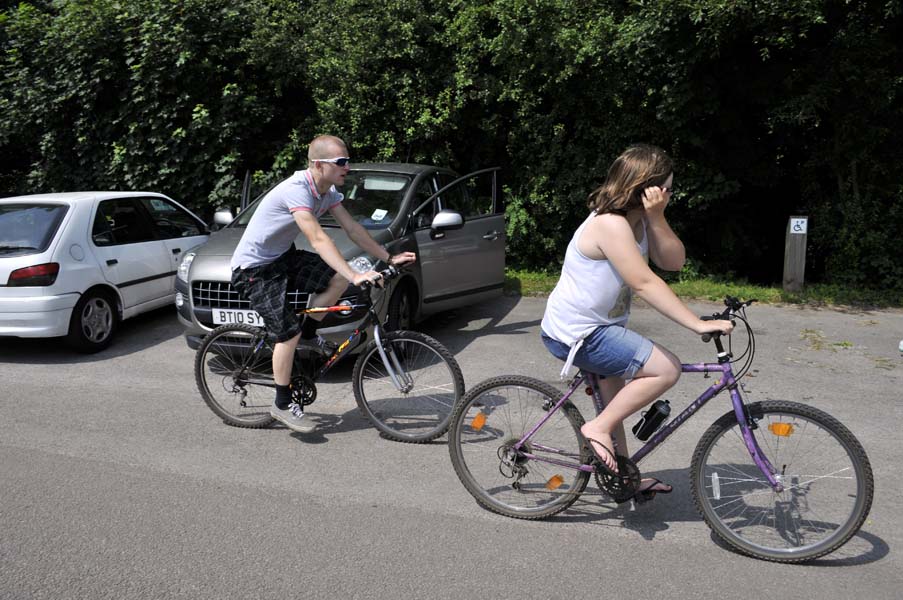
{"x": 638, "y": 167}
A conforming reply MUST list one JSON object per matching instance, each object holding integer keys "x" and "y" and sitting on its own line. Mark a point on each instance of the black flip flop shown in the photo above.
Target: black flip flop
{"x": 643, "y": 496}
{"x": 602, "y": 463}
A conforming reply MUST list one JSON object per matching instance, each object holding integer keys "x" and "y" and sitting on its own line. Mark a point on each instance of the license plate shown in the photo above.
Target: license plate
{"x": 223, "y": 315}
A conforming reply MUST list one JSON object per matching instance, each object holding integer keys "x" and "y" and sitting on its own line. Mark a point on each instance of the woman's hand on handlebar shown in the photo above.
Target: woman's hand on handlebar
{"x": 723, "y": 327}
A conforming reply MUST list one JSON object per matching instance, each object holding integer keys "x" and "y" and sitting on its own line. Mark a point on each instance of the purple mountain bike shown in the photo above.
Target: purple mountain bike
{"x": 776, "y": 480}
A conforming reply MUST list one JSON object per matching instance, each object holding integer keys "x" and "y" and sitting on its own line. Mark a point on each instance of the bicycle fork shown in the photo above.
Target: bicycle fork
{"x": 402, "y": 380}
{"x": 745, "y": 420}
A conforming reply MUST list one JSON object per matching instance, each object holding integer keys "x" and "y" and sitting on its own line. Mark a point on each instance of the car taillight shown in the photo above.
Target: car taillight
{"x": 38, "y": 275}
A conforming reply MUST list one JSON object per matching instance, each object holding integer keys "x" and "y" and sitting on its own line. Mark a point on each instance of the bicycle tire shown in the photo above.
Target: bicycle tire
{"x": 480, "y": 448}
{"x": 826, "y": 473}
{"x": 421, "y": 414}
{"x": 237, "y": 387}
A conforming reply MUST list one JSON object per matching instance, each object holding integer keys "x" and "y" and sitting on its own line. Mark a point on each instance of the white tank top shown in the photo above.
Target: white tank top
{"x": 589, "y": 293}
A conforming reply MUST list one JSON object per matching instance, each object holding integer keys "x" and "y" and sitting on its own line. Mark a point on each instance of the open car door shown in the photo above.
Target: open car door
{"x": 463, "y": 265}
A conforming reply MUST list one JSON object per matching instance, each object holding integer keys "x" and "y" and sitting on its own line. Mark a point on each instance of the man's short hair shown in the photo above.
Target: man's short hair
{"x": 325, "y": 146}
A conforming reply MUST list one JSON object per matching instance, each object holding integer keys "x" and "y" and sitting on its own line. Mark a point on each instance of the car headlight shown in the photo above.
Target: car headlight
{"x": 361, "y": 264}
{"x": 182, "y": 273}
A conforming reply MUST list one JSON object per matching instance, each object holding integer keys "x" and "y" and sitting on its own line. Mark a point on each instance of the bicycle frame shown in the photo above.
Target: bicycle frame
{"x": 401, "y": 380}
{"x": 726, "y": 381}
{"x": 372, "y": 318}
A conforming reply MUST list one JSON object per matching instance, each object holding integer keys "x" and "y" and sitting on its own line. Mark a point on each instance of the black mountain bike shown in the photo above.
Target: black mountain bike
{"x": 405, "y": 382}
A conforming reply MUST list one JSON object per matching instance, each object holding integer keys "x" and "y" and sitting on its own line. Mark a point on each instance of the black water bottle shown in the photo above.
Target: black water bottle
{"x": 652, "y": 419}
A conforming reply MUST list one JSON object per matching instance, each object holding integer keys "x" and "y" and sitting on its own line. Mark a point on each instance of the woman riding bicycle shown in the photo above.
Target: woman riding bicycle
{"x": 606, "y": 261}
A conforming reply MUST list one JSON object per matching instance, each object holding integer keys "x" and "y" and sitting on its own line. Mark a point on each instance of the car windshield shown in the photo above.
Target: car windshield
{"x": 373, "y": 198}
{"x": 28, "y": 228}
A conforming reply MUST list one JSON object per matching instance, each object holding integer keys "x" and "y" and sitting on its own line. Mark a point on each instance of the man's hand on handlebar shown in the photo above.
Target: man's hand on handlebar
{"x": 379, "y": 278}
{"x": 368, "y": 278}
{"x": 402, "y": 258}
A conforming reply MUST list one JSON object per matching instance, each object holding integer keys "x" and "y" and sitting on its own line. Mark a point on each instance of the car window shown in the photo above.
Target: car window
{"x": 244, "y": 217}
{"x": 28, "y": 228}
{"x": 470, "y": 197}
{"x": 121, "y": 221}
{"x": 425, "y": 217}
{"x": 171, "y": 221}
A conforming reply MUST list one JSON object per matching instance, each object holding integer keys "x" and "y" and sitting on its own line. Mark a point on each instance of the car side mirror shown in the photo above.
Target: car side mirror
{"x": 222, "y": 217}
{"x": 445, "y": 220}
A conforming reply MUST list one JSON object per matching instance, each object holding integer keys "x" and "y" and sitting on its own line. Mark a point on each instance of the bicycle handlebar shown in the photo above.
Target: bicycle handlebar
{"x": 387, "y": 274}
{"x": 733, "y": 305}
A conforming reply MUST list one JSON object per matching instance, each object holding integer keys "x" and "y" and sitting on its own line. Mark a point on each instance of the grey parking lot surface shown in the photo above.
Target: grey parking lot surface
{"x": 116, "y": 481}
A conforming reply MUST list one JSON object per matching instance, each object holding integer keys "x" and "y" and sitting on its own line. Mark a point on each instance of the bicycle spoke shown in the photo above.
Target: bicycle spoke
{"x": 234, "y": 375}
{"x": 430, "y": 382}
{"x": 517, "y": 482}
{"x": 824, "y": 473}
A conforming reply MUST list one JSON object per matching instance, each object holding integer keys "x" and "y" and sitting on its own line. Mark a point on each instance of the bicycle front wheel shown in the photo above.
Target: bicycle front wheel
{"x": 825, "y": 472}
{"x": 233, "y": 369}
{"x": 522, "y": 482}
{"x": 417, "y": 406}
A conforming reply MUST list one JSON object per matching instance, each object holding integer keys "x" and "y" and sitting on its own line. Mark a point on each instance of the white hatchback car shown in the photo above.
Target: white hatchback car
{"x": 76, "y": 264}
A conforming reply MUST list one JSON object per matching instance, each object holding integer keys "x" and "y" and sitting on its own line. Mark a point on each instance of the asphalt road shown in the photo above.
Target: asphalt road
{"x": 116, "y": 481}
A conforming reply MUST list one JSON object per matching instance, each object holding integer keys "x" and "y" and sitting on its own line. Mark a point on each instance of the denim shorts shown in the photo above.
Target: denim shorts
{"x": 610, "y": 351}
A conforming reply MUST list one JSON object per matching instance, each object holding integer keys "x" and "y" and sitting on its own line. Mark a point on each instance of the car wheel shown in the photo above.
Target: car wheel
{"x": 401, "y": 308}
{"x": 94, "y": 321}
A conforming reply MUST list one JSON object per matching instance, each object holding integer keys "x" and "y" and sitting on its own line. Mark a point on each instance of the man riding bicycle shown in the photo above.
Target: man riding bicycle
{"x": 266, "y": 261}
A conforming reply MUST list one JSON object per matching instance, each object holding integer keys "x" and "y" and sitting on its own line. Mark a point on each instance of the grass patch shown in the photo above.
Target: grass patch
{"x": 529, "y": 283}
{"x": 538, "y": 283}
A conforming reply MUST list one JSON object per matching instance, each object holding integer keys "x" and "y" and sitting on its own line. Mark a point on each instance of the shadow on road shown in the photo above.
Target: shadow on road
{"x": 134, "y": 335}
{"x": 647, "y": 520}
{"x": 453, "y": 328}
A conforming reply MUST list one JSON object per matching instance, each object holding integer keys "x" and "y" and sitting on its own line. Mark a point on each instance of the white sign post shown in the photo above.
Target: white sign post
{"x": 795, "y": 253}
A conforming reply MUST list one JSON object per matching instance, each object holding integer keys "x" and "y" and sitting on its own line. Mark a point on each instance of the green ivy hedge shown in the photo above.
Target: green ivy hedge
{"x": 770, "y": 108}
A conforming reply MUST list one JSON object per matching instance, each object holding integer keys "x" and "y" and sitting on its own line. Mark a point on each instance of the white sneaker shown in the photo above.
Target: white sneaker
{"x": 293, "y": 418}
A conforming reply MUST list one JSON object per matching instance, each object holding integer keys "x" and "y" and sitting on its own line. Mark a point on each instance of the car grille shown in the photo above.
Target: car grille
{"x": 219, "y": 294}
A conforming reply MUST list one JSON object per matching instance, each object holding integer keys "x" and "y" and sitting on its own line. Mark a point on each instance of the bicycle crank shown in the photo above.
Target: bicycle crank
{"x": 621, "y": 486}
{"x": 304, "y": 390}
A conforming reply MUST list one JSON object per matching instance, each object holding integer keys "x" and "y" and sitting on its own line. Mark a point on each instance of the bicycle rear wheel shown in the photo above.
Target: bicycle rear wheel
{"x": 826, "y": 474}
{"x": 431, "y": 384}
{"x": 487, "y": 423}
{"x": 234, "y": 372}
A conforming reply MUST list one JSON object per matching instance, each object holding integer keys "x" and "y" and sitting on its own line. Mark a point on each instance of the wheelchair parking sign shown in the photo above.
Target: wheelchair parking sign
{"x": 799, "y": 225}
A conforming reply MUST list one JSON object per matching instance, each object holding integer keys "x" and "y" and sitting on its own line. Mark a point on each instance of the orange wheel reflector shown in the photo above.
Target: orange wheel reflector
{"x": 781, "y": 429}
{"x": 478, "y": 422}
{"x": 554, "y": 482}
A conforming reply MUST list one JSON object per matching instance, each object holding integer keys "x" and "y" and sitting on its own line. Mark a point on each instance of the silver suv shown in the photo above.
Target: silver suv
{"x": 456, "y": 225}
